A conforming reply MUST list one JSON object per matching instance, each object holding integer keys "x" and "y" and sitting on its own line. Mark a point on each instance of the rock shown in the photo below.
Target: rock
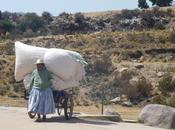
{"x": 173, "y": 78}
{"x": 158, "y": 115}
{"x": 127, "y": 104}
{"x": 115, "y": 100}
{"x": 134, "y": 81}
{"x": 123, "y": 69}
{"x": 160, "y": 74}
{"x": 139, "y": 65}
{"x": 110, "y": 112}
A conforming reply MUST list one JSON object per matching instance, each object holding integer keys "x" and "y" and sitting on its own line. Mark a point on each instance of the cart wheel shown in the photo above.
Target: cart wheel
{"x": 31, "y": 115}
{"x": 68, "y": 107}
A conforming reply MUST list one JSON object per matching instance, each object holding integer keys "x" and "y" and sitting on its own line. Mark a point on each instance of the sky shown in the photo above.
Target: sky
{"x": 55, "y": 7}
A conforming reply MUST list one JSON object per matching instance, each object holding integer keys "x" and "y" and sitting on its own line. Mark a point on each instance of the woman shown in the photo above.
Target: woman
{"x": 41, "y": 99}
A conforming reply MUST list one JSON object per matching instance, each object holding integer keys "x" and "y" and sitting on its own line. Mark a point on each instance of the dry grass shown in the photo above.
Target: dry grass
{"x": 130, "y": 113}
{"x": 15, "y": 102}
{"x": 102, "y": 13}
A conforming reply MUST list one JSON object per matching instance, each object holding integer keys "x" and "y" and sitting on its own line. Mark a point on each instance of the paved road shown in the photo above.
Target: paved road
{"x": 14, "y": 118}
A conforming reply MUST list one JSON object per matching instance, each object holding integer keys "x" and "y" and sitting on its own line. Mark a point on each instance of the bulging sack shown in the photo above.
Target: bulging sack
{"x": 59, "y": 84}
{"x": 66, "y": 66}
{"x": 26, "y": 56}
{"x": 60, "y": 63}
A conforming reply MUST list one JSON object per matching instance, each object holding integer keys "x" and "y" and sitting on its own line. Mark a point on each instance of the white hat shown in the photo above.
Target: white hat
{"x": 39, "y": 61}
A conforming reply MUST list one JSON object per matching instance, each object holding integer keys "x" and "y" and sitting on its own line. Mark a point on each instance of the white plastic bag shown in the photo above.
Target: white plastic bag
{"x": 59, "y": 84}
{"x": 66, "y": 66}
{"x": 60, "y": 63}
{"x": 26, "y": 56}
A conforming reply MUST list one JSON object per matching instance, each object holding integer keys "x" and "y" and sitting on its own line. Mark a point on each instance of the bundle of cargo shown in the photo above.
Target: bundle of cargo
{"x": 66, "y": 66}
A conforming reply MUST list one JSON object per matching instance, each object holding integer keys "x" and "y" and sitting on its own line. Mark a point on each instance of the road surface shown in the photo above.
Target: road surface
{"x": 15, "y": 118}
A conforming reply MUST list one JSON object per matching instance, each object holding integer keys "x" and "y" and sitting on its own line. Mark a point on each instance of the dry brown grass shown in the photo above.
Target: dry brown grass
{"x": 15, "y": 102}
{"x": 102, "y": 13}
{"x": 130, "y": 113}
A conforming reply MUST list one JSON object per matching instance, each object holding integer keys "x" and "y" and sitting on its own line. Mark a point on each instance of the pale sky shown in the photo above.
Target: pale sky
{"x": 56, "y": 7}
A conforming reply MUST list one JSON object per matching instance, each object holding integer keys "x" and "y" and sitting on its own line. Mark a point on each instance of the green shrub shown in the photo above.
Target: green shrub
{"x": 102, "y": 65}
{"x": 166, "y": 84}
{"x": 159, "y": 25}
{"x": 172, "y": 36}
{"x": 171, "y": 100}
{"x": 3, "y": 90}
{"x": 147, "y": 19}
{"x": 12, "y": 94}
{"x": 129, "y": 14}
{"x": 159, "y": 99}
{"x": 144, "y": 87}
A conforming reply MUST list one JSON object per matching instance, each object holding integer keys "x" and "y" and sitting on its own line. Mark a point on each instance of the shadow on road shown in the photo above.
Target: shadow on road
{"x": 77, "y": 120}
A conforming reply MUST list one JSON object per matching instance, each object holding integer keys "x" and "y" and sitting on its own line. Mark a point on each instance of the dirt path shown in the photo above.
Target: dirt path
{"x": 15, "y": 118}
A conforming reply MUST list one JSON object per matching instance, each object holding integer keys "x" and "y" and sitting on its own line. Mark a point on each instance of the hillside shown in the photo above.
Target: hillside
{"x": 107, "y": 54}
{"x": 134, "y": 63}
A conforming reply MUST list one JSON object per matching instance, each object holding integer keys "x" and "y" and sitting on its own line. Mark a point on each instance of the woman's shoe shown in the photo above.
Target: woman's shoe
{"x": 31, "y": 115}
{"x": 44, "y": 117}
{"x": 38, "y": 120}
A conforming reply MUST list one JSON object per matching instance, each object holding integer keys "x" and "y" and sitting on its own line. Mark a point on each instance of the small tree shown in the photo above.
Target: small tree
{"x": 6, "y": 26}
{"x": 31, "y": 21}
{"x": 0, "y": 14}
{"x": 47, "y": 17}
{"x": 161, "y": 3}
{"x": 143, "y": 4}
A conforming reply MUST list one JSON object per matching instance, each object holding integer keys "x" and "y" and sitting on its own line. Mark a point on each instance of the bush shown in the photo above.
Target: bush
{"x": 129, "y": 14}
{"x": 6, "y": 25}
{"x": 171, "y": 100}
{"x": 31, "y": 21}
{"x": 3, "y": 90}
{"x": 147, "y": 19}
{"x": 144, "y": 87}
{"x": 47, "y": 17}
{"x": 159, "y": 99}
{"x": 166, "y": 84}
{"x": 13, "y": 94}
{"x": 139, "y": 90}
{"x": 159, "y": 25}
{"x": 172, "y": 36}
{"x": 103, "y": 64}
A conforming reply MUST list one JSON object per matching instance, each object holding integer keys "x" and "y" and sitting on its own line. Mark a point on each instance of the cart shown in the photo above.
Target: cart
{"x": 63, "y": 101}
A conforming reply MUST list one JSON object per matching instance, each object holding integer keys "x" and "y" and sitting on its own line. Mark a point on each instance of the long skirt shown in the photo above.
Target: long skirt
{"x": 41, "y": 101}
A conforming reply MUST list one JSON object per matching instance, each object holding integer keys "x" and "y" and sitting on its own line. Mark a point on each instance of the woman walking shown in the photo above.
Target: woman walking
{"x": 41, "y": 99}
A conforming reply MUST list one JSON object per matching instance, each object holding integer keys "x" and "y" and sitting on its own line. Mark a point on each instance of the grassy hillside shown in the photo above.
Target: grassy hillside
{"x": 130, "y": 53}
{"x": 107, "y": 53}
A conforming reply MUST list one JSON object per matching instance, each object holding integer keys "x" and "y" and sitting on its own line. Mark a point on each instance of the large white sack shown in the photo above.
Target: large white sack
{"x": 79, "y": 73}
{"x": 59, "y": 84}
{"x": 60, "y": 63}
{"x": 26, "y": 56}
{"x": 65, "y": 64}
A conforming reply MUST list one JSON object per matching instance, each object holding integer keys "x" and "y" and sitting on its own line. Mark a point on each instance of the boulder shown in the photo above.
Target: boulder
{"x": 158, "y": 116}
{"x": 110, "y": 112}
{"x": 116, "y": 100}
{"x": 160, "y": 74}
{"x": 127, "y": 104}
{"x": 139, "y": 65}
{"x": 122, "y": 69}
{"x": 134, "y": 81}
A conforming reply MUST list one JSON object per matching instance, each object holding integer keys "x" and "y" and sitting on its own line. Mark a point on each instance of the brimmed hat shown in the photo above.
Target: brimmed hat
{"x": 39, "y": 61}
